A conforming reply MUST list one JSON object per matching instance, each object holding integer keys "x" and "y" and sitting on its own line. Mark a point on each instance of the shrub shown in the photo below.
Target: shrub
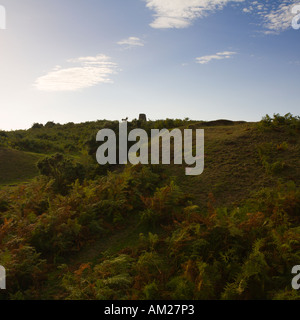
{"x": 50, "y": 124}
{"x": 278, "y": 121}
{"x": 37, "y": 126}
{"x": 62, "y": 171}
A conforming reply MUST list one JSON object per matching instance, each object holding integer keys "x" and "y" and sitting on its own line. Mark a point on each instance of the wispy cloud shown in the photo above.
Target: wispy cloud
{"x": 248, "y": 10}
{"x": 217, "y": 56}
{"x": 181, "y": 13}
{"x": 276, "y": 16}
{"x": 279, "y": 19}
{"x": 89, "y": 72}
{"x": 131, "y": 42}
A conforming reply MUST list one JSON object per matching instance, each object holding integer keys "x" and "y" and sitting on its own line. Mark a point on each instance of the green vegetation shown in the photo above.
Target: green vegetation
{"x": 17, "y": 166}
{"x": 82, "y": 231}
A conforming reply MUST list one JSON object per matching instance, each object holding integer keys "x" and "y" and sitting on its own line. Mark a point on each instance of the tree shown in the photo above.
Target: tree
{"x": 37, "y": 125}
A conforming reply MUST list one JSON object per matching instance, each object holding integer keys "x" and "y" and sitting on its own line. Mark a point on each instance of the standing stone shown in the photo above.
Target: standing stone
{"x": 142, "y": 117}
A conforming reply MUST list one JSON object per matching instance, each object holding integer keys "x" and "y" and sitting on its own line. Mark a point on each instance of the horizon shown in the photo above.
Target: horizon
{"x": 136, "y": 118}
{"x": 77, "y": 62}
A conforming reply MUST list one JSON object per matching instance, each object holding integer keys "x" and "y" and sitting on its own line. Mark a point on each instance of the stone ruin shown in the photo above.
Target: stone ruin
{"x": 142, "y": 117}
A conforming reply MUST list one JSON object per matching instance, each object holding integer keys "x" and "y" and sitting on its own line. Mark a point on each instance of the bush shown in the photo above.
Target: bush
{"x": 37, "y": 126}
{"x": 50, "y": 124}
{"x": 278, "y": 121}
{"x": 62, "y": 171}
{"x": 268, "y": 152}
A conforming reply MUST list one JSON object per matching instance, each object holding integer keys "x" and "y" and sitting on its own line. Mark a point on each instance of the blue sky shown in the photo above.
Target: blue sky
{"x": 76, "y": 60}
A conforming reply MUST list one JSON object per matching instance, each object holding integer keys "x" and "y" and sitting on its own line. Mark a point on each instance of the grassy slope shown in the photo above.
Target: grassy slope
{"x": 233, "y": 169}
{"x": 232, "y": 166}
{"x": 17, "y": 166}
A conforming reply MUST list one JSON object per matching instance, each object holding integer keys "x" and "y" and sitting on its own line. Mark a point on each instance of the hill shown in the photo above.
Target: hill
{"x": 240, "y": 159}
{"x": 151, "y": 232}
{"x": 17, "y": 166}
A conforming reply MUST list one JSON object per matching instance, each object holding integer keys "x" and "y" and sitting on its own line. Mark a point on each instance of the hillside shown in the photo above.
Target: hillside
{"x": 234, "y": 166}
{"x": 151, "y": 232}
{"x": 17, "y": 166}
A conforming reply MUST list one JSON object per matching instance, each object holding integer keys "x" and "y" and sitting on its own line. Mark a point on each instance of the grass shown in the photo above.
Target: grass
{"x": 17, "y": 166}
{"x": 233, "y": 169}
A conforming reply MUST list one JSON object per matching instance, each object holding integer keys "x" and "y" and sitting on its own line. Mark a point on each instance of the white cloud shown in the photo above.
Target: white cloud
{"x": 131, "y": 42}
{"x": 248, "y": 10}
{"x": 90, "y": 72}
{"x": 217, "y": 56}
{"x": 280, "y": 18}
{"x": 276, "y": 16}
{"x": 181, "y": 13}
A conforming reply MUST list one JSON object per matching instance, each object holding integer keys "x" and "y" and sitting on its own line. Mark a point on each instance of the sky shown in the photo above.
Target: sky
{"x": 84, "y": 60}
